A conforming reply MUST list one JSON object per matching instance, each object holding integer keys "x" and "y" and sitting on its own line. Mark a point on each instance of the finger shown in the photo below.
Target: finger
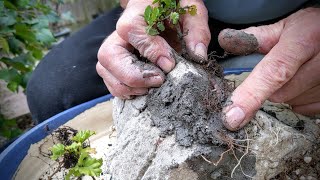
{"x": 124, "y": 66}
{"x": 307, "y": 77}
{"x": 275, "y": 69}
{"x": 308, "y": 97}
{"x": 131, "y": 27}
{"x": 117, "y": 88}
{"x": 198, "y": 33}
{"x": 247, "y": 41}
{"x": 310, "y": 109}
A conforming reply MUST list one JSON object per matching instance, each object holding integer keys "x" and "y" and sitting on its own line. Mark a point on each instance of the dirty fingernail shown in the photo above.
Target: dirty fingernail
{"x": 165, "y": 64}
{"x": 234, "y": 117}
{"x": 154, "y": 81}
{"x": 201, "y": 50}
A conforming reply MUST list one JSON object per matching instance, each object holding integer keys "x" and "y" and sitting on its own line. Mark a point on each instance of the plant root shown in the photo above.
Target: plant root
{"x": 232, "y": 146}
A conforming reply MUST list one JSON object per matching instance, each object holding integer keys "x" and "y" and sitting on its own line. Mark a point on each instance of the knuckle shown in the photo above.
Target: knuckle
{"x": 279, "y": 71}
{"x": 129, "y": 23}
{"x": 253, "y": 102}
{"x": 100, "y": 69}
{"x": 104, "y": 55}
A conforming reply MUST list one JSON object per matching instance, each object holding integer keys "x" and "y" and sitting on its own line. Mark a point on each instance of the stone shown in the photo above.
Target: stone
{"x": 307, "y": 159}
{"x": 168, "y": 135}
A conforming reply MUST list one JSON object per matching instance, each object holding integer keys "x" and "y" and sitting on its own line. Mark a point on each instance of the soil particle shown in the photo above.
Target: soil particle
{"x": 238, "y": 42}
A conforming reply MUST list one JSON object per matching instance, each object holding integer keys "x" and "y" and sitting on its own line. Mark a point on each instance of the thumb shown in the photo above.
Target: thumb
{"x": 285, "y": 55}
{"x": 198, "y": 33}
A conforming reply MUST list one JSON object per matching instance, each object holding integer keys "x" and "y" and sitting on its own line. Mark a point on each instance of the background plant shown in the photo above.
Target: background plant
{"x": 80, "y": 149}
{"x": 24, "y": 36}
{"x": 9, "y": 128}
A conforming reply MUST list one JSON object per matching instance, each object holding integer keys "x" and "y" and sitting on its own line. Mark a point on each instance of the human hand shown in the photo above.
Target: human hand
{"x": 123, "y": 74}
{"x": 290, "y": 71}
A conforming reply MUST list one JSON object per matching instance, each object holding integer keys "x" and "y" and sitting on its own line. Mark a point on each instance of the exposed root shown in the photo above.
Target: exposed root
{"x": 113, "y": 129}
{"x": 239, "y": 161}
{"x": 277, "y": 136}
{"x": 218, "y": 161}
{"x": 232, "y": 146}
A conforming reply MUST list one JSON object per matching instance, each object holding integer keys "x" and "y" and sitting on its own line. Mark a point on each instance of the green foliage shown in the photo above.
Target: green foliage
{"x": 9, "y": 128}
{"x": 24, "y": 35}
{"x": 86, "y": 165}
{"x": 162, "y": 11}
{"x": 57, "y": 151}
{"x": 81, "y": 136}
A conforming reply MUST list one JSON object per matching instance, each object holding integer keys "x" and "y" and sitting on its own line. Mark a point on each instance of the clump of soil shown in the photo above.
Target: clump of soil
{"x": 192, "y": 108}
{"x": 64, "y": 136}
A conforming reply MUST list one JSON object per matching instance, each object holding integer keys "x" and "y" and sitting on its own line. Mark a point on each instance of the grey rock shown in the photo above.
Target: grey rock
{"x": 159, "y": 143}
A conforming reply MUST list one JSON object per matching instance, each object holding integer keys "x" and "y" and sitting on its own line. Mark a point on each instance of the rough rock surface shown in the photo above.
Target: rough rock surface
{"x": 168, "y": 135}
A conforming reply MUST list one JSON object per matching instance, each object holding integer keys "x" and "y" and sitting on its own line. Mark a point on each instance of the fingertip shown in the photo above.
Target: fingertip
{"x": 154, "y": 81}
{"x": 165, "y": 64}
{"x": 201, "y": 51}
{"x": 234, "y": 118}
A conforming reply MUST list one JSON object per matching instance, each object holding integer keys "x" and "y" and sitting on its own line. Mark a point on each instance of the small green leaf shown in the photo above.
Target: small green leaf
{"x": 155, "y": 14}
{"x": 167, "y": 2}
{"x": 57, "y": 151}
{"x": 4, "y": 45}
{"x": 192, "y": 10}
{"x": 160, "y": 26}
{"x": 81, "y": 136}
{"x": 37, "y": 53}
{"x": 23, "y": 3}
{"x": 45, "y": 36}
{"x": 15, "y": 64}
{"x": 73, "y": 147}
{"x": 25, "y": 32}
{"x": 155, "y": 1}
{"x": 152, "y": 31}
{"x": 147, "y": 14}
{"x": 88, "y": 166}
{"x": 174, "y": 17}
{"x": 11, "y": 75}
{"x": 9, "y": 5}
{"x": 8, "y": 19}
{"x": 13, "y": 86}
{"x": 182, "y": 11}
{"x": 16, "y": 46}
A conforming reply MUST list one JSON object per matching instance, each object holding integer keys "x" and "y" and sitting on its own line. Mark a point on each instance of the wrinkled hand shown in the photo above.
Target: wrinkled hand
{"x": 122, "y": 73}
{"x": 290, "y": 71}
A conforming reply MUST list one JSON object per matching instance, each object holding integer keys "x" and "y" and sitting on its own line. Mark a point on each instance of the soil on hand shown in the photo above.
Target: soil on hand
{"x": 238, "y": 42}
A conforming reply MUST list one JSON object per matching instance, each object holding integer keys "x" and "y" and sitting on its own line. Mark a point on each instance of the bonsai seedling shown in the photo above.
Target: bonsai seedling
{"x": 167, "y": 11}
{"x": 79, "y": 151}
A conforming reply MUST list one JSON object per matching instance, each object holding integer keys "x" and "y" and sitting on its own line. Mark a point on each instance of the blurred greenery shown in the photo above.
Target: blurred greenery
{"x": 24, "y": 35}
{"x": 9, "y": 128}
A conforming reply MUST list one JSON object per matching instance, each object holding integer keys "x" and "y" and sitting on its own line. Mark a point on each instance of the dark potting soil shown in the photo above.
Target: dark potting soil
{"x": 192, "y": 109}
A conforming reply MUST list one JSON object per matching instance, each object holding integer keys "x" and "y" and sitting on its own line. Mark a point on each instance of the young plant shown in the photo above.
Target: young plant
{"x": 168, "y": 11}
{"x": 86, "y": 165}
